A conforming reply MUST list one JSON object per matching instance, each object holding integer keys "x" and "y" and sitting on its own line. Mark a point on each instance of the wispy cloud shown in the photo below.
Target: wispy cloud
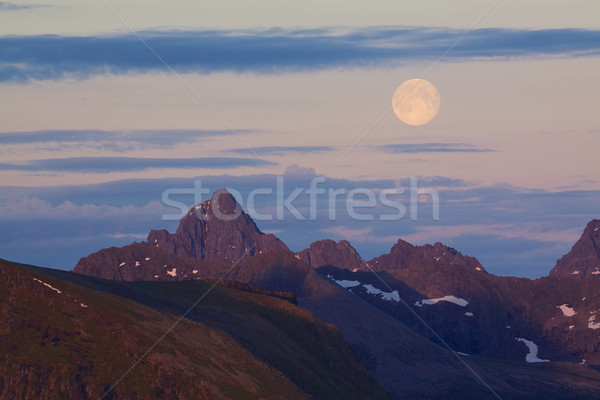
{"x": 118, "y": 141}
{"x": 6, "y": 6}
{"x": 281, "y": 150}
{"x": 526, "y": 231}
{"x": 358, "y": 235}
{"x": 120, "y": 164}
{"x": 275, "y": 50}
{"x": 413, "y": 148}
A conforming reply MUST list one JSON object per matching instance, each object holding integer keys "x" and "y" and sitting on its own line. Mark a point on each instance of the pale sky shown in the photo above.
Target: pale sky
{"x": 301, "y": 83}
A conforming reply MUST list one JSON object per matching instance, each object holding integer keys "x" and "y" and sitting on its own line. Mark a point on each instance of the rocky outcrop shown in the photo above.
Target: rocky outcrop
{"x": 327, "y": 252}
{"x": 584, "y": 258}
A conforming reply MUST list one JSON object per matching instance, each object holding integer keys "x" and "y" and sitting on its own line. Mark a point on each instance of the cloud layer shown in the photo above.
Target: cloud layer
{"x": 118, "y": 141}
{"x": 415, "y": 148}
{"x": 512, "y": 231}
{"x": 282, "y": 150}
{"x": 6, "y": 6}
{"x": 44, "y": 57}
{"x": 120, "y": 164}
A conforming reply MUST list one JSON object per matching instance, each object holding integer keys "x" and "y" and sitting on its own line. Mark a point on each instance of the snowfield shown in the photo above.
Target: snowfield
{"x": 450, "y": 298}
{"x": 531, "y": 356}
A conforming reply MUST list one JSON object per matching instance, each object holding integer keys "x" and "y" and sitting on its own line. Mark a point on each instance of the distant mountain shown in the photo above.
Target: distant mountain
{"x": 216, "y": 230}
{"x": 405, "y": 255}
{"x": 584, "y": 258}
{"x": 402, "y": 255}
{"x": 328, "y": 252}
{"x": 65, "y": 335}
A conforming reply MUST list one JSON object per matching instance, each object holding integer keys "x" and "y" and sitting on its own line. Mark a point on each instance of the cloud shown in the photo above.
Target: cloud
{"x": 296, "y": 171}
{"x": 5, "y": 6}
{"x": 413, "y": 148}
{"x": 360, "y": 235}
{"x": 116, "y": 164}
{"x": 526, "y": 231}
{"x": 34, "y": 208}
{"x": 118, "y": 141}
{"x": 511, "y": 230}
{"x": 281, "y": 150}
{"x": 42, "y": 57}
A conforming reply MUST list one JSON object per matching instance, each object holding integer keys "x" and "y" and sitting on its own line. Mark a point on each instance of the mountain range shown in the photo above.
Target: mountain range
{"x": 418, "y": 322}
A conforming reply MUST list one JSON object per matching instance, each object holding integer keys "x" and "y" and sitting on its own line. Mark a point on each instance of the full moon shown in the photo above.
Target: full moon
{"x": 416, "y": 102}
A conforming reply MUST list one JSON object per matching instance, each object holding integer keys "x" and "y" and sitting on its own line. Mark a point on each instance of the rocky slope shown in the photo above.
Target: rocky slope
{"x": 584, "y": 258}
{"x": 53, "y": 346}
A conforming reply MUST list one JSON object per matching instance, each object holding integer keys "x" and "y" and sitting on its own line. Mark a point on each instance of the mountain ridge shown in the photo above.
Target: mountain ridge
{"x": 431, "y": 276}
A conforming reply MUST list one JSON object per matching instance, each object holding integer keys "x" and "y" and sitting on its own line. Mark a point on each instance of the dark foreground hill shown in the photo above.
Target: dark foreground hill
{"x": 64, "y": 335}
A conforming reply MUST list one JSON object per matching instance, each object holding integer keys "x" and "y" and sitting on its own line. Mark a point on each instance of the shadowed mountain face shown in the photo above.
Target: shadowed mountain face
{"x": 584, "y": 258}
{"x": 216, "y": 230}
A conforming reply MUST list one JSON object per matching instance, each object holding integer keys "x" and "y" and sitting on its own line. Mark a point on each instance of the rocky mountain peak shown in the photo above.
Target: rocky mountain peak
{"x": 217, "y": 229}
{"x": 406, "y": 255}
{"x": 584, "y": 258}
{"x": 328, "y": 252}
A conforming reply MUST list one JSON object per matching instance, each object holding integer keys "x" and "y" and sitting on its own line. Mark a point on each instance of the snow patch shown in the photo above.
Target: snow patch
{"x": 478, "y": 269}
{"x": 297, "y": 256}
{"x": 575, "y": 273}
{"x": 532, "y": 355}
{"x": 469, "y": 314}
{"x": 172, "y": 272}
{"x": 147, "y": 258}
{"x": 83, "y": 305}
{"x": 451, "y": 299}
{"x": 592, "y": 324}
{"x": 123, "y": 263}
{"x": 389, "y": 296}
{"x": 48, "y": 285}
{"x": 566, "y": 310}
{"x": 571, "y": 327}
{"x": 194, "y": 271}
{"x": 595, "y": 229}
{"x": 137, "y": 263}
{"x": 156, "y": 276}
{"x": 596, "y": 272}
{"x": 344, "y": 283}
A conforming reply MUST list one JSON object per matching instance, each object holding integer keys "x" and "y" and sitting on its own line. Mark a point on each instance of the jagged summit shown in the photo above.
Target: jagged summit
{"x": 328, "y": 252}
{"x": 584, "y": 258}
{"x": 217, "y": 229}
{"x": 406, "y": 255}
